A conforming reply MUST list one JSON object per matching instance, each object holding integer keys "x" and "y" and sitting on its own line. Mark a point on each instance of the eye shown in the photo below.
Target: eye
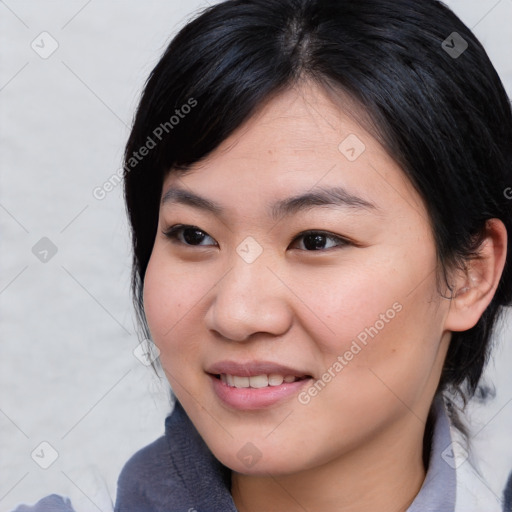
{"x": 188, "y": 235}
{"x": 313, "y": 241}
{"x": 317, "y": 240}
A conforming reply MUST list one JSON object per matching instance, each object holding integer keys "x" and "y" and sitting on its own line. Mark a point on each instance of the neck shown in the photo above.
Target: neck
{"x": 385, "y": 474}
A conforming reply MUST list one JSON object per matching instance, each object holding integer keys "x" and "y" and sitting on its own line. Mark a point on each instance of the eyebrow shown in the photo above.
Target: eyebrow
{"x": 337, "y": 197}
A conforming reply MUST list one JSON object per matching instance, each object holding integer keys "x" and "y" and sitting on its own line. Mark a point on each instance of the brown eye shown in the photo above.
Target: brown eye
{"x": 187, "y": 235}
{"x": 320, "y": 240}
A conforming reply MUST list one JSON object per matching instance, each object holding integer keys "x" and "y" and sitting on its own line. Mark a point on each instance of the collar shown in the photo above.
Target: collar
{"x": 437, "y": 494}
{"x": 206, "y": 480}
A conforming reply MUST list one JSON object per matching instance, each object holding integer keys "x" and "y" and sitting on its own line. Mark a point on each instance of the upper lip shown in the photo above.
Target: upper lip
{"x": 253, "y": 368}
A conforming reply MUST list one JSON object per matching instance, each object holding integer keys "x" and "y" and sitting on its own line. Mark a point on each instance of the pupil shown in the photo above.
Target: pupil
{"x": 196, "y": 237}
{"x": 314, "y": 241}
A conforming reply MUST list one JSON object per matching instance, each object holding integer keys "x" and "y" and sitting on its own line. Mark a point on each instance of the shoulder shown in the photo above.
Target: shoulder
{"x": 52, "y": 503}
{"x": 150, "y": 481}
{"x": 144, "y": 462}
{"x": 474, "y": 492}
{"x": 507, "y": 494}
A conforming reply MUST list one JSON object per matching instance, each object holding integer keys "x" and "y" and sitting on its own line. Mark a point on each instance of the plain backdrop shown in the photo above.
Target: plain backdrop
{"x": 70, "y": 76}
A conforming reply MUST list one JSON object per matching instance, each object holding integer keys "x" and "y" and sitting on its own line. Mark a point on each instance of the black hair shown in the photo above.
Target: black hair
{"x": 433, "y": 98}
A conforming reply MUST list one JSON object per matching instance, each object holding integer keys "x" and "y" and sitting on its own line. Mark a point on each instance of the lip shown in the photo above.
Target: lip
{"x": 255, "y": 398}
{"x": 253, "y": 368}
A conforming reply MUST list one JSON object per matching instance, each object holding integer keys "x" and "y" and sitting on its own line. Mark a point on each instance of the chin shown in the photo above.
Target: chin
{"x": 260, "y": 459}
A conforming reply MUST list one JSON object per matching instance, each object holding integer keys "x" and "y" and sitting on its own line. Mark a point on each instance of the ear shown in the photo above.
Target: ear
{"x": 475, "y": 288}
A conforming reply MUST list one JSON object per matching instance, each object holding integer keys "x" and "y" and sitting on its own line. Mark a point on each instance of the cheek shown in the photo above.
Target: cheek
{"x": 378, "y": 363}
{"x": 383, "y": 316}
{"x": 172, "y": 296}
{"x": 349, "y": 303}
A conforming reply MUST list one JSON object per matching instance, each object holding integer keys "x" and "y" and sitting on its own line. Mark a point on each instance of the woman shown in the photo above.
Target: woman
{"x": 321, "y": 231}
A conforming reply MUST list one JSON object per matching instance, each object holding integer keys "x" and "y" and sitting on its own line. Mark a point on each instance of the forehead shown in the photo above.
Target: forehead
{"x": 297, "y": 141}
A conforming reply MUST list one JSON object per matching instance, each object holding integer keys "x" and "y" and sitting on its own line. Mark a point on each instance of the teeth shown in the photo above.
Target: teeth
{"x": 275, "y": 380}
{"x": 256, "y": 381}
{"x": 240, "y": 382}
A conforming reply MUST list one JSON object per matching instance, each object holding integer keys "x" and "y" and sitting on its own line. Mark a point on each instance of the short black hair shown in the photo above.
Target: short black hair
{"x": 434, "y": 99}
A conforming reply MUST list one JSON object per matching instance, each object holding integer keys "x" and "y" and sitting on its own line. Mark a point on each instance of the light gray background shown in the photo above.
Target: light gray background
{"x": 67, "y": 370}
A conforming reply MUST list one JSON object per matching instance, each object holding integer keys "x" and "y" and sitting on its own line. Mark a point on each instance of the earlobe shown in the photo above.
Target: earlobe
{"x": 475, "y": 288}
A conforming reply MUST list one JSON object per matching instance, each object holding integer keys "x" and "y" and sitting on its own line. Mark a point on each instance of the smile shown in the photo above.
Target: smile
{"x": 256, "y": 381}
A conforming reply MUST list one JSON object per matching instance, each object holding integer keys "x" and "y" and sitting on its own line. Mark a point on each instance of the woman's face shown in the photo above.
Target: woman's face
{"x": 247, "y": 301}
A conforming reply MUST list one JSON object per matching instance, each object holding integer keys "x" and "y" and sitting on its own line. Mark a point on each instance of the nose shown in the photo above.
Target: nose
{"x": 250, "y": 299}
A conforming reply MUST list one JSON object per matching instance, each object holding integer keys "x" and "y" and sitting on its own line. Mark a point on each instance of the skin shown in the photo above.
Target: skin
{"x": 356, "y": 445}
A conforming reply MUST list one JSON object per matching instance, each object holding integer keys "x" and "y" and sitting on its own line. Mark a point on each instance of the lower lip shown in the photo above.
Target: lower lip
{"x": 255, "y": 398}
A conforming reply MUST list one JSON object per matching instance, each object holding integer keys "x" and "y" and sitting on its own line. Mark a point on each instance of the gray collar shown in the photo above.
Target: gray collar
{"x": 437, "y": 493}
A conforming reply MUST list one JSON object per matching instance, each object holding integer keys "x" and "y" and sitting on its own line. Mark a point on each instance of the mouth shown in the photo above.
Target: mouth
{"x": 255, "y": 384}
{"x": 258, "y": 381}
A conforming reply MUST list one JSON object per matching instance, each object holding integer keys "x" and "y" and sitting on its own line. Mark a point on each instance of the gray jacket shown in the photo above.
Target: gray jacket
{"x": 178, "y": 473}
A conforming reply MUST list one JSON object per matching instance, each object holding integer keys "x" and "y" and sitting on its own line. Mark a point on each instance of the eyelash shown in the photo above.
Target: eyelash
{"x": 173, "y": 232}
